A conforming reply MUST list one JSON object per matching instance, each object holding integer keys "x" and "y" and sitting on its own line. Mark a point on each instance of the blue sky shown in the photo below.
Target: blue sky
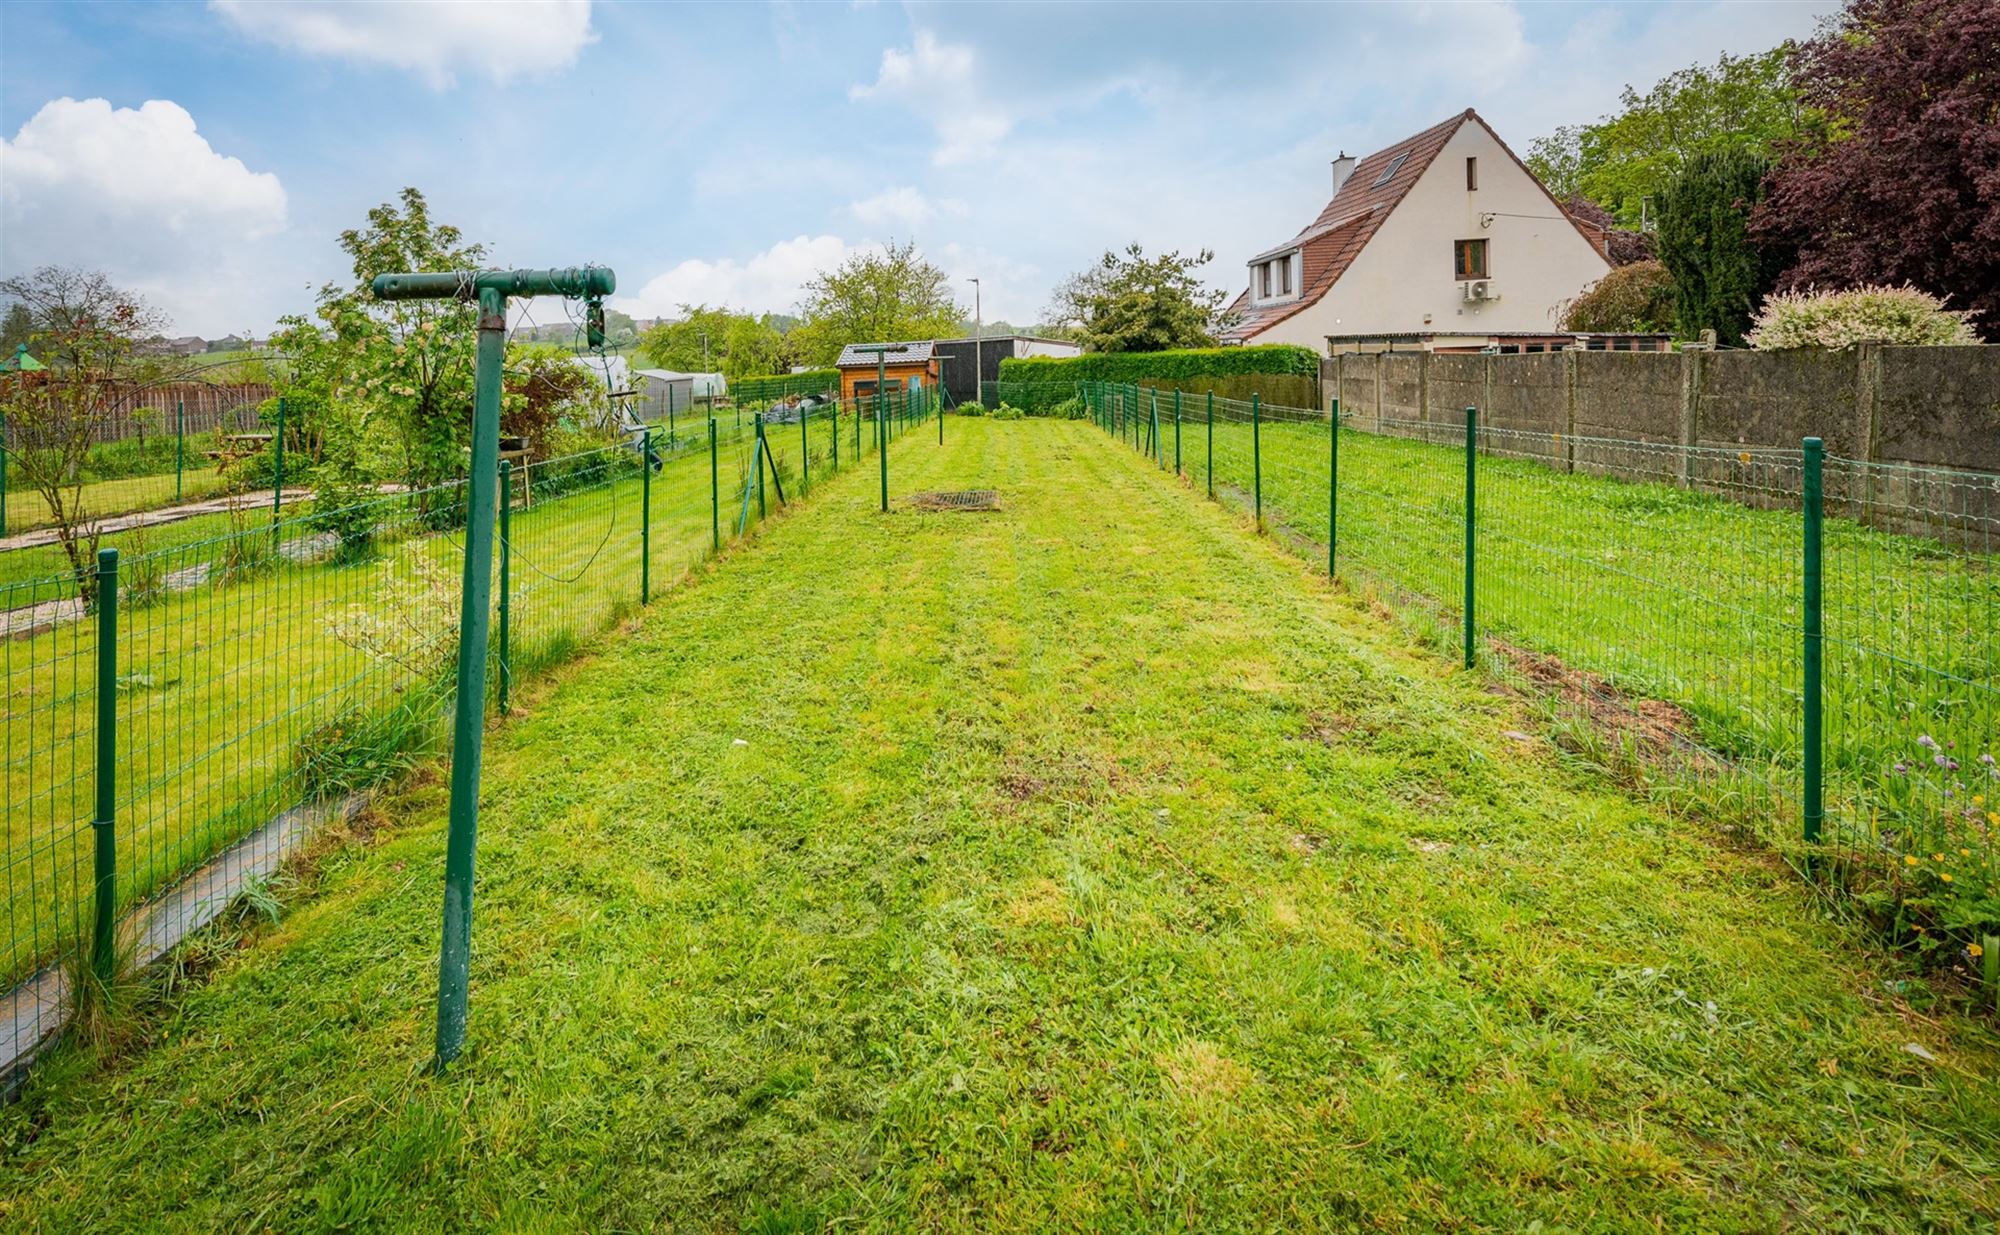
{"x": 209, "y": 154}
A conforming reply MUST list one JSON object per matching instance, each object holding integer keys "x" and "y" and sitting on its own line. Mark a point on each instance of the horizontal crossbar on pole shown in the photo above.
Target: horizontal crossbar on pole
{"x": 467, "y": 284}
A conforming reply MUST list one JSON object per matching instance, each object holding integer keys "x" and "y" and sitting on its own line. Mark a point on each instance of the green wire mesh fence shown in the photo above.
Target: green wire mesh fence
{"x": 1668, "y": 590}
{"x": 255, "y": 678}
{"x": 152, "y": 456}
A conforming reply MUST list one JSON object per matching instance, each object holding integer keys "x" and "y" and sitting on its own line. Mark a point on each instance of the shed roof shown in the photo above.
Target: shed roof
{"x": 904, "y": 353}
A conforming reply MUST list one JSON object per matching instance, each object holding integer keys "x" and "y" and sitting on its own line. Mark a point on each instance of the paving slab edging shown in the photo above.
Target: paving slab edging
{"x": 37, "y": 1009}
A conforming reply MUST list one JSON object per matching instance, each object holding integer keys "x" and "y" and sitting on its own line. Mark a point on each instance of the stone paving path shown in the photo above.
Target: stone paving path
{"x": 259, "y": 499}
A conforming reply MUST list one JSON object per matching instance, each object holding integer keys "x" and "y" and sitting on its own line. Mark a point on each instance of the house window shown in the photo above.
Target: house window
{"x": 1395, "y": 165}
{"x": 1471, "y": 173}
{"x": 1264, "y": 280}
{"x": 1468, "y": 259}
{"x": 1284, "y": 276}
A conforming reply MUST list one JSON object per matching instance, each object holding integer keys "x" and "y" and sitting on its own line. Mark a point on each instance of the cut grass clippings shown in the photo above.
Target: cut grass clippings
{"x": 1039, "y": 870}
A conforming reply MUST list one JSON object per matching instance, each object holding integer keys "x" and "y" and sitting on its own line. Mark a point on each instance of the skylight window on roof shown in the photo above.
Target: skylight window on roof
{"x": 1395, "y": 165}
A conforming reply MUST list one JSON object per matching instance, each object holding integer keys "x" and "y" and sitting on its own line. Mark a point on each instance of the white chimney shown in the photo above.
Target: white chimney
{"x": 1343, "y": 167}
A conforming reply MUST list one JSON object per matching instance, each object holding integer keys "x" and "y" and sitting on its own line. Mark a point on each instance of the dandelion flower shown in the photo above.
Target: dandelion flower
{"x": 1909, "y": 859}
{"x": 1974, "y": 951}
{"x": 1945, "y": 875}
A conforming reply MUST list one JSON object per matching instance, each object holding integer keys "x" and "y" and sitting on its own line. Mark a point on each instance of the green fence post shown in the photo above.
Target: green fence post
{"x": 835, "y": 439}
{"x": 1471, "y": 521}
{"x": 1332, "y": 481}
{"x": 103, "y": 955}
{"x": 714, "y": 489}
{"x": 645, "y": 515}
{"x": 805, "y": 454}
{"x": 278, "y": 480}
{"x": 180, "y": 444}
{"x": 1815, "y": 800}
{"x": 467, "y": 737}
{"x": 882, "y": 431}
{"x": 1211, "y": 444}
{"x": 940, "y": 412}
{"x": 670, "y": 415}
{"x": 1177, "y": 431}
{"x": 1257, "y": 454}
{"x": 3, "y": 474}
{"x": 1159, "y": 439}
{"x": 506, "y": 576}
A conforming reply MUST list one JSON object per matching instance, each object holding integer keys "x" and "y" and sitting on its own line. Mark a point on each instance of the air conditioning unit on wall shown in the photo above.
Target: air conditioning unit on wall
{"x": 1478, "y": 290}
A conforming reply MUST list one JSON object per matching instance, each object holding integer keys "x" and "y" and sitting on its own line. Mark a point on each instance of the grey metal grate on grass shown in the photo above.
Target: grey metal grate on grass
{"x": 964, "y": 499}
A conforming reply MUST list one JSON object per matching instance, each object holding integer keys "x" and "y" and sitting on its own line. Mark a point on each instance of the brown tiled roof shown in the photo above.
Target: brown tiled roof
{"x": 1330, "y": 243}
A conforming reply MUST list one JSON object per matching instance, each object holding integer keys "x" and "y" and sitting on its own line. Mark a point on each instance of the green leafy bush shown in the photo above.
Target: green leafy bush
{"x": 1272, "y": 359}
{"x": 1069, "y": 409}
{"x": 1638, "y": 296}
{"x": 971, "y": 409}
{"x": 1865, "y": 314}
{"x": 1007, "y": 411}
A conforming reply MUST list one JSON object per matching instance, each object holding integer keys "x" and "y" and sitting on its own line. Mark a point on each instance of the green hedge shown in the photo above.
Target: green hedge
{"x": 1269, "y": 359}
{"x": 780, "y": 385}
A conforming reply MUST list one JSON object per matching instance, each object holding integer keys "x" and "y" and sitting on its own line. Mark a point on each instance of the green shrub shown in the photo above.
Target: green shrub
{"x": 1272, "y": 359}
{"x": 1071, "y": 408}
{"x": 971, "y": 409}
{"x": 1637, "y": 296}
{"x": 1865, "y": 314}
{"x": 1007, "y": 411}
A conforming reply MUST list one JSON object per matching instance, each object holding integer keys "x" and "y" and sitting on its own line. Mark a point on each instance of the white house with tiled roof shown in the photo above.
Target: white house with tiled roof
{"x": 1442, "y": 233}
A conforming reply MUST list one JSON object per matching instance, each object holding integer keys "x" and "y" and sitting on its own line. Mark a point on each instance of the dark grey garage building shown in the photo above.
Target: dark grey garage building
{"x": 955, "y": 359}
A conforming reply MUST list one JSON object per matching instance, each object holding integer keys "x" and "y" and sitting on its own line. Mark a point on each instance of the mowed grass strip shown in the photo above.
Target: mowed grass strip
{"x": 1083, "y": 864}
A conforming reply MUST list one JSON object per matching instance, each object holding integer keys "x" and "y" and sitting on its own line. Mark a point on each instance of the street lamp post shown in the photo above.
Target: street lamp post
{"x": 978, "y": 348}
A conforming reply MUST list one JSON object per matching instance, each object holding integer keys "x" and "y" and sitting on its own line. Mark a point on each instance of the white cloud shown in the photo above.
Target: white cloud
{"x": 939, "y": 82}
{"x": 432, "y": 40}
{"x": 140, "y": 194}
{"x": 769, "y": 282}
{"x": 903, "y": 207}
{"x": 1009, "y": 290}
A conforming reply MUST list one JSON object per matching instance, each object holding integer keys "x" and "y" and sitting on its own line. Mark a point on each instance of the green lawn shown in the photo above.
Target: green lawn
{"x": 1089, "y": 864}
{"x": 26, "y": 509}
{"x": 1691, "y": 597}
{"x": 225, "y": 684}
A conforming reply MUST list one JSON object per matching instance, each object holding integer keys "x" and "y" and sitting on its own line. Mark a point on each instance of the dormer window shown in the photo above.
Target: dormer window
{"x": 1274, "y": 278}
